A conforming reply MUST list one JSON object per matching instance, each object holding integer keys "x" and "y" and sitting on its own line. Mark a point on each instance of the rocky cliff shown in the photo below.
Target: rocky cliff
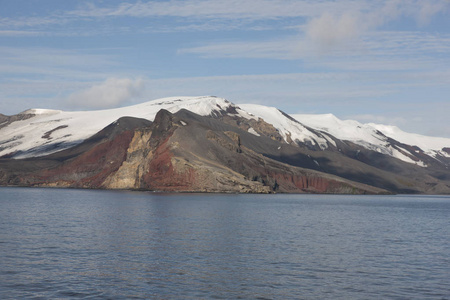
{"x": 186, "y": 152}
{"x": 177, "y": 152}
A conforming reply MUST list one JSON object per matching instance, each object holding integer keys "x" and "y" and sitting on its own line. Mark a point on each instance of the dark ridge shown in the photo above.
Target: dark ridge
{"x": 288, "y": 116}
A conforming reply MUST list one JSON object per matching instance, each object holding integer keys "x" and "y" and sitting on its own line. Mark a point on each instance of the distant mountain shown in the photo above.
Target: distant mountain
{"x": 208, "y": 144}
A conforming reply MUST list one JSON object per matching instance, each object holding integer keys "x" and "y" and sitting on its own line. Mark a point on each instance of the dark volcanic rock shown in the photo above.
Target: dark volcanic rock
{"x": 188, "y": 152}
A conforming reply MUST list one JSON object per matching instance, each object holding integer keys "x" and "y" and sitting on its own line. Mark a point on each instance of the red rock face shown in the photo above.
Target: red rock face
{"x": 318, "y": 184}
{"x": 91, "y": 168}
{"x": 162, "y": 175}
{"x": 312, "y": 184}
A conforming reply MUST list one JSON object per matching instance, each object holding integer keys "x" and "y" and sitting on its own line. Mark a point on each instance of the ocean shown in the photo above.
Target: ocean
{"x": 94, "y": 244}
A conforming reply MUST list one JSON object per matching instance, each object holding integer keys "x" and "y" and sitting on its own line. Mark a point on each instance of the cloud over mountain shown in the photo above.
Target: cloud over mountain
{"x": 110, "y": 93}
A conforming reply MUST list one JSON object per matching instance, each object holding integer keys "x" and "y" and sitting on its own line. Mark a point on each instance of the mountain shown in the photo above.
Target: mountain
{"x": 209, "y": 144}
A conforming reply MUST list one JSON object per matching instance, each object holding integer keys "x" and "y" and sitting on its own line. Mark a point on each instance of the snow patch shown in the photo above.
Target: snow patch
{"x": 400, "y": 155}
{"x": 421, "y": 164}
{"x": 253, "y": 131}
{"x": 285, "y": 125}
{"x": 329, "y": 139}
{"x": 442, "y": 153}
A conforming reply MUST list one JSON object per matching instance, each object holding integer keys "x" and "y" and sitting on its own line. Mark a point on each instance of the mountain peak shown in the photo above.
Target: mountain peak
{"x": 39, "y": 111}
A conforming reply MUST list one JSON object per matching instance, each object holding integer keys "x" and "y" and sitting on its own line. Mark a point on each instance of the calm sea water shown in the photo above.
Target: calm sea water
{"x": 57, "y": 243}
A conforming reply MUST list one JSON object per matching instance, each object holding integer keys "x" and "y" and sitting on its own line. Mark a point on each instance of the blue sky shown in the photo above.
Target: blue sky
{"x": 372, "y": 61}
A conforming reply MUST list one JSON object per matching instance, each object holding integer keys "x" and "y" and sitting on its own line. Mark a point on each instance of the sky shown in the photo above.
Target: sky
{"x": 372, "y": 61}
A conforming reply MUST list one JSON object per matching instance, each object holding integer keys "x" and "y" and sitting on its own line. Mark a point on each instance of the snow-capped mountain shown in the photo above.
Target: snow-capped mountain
{"x": 41, "y": 131}
{"x": 320, "y": 130}
{"x": 48, "y": 131}
{"x": 210, "y": 144}
{"x": 379, "y": 137}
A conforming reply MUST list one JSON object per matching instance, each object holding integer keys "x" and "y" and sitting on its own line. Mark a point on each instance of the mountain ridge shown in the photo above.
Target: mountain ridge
{"x": 250, "y": 148}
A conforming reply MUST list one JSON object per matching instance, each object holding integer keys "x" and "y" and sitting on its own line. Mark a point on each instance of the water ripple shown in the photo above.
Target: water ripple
{"x": 127, "y": 245}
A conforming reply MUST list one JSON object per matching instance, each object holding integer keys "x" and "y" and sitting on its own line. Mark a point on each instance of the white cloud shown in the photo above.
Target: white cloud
{"x": 111, "y": 93}
{"x": 211, "y": 9}
{"x": 287, "y": 48}
{"x": 36, "y": 61}
{"x": 376, "y": 51}
{"x": 328, "y": 31}
{"x": 7, "y": 22}
{"x": 333, "y": 30}
{"x": 19, "y": 33}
